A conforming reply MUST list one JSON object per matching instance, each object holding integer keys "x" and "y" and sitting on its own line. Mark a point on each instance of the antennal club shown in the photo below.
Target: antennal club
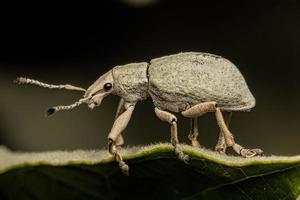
{"x": 23, "y": 80}
{"x": 53, "y": 110}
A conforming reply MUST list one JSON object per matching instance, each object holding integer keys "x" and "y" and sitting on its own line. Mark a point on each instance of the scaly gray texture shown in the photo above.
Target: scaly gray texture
{"x": 180, "y": 81}
{"x": 130, "y": 81}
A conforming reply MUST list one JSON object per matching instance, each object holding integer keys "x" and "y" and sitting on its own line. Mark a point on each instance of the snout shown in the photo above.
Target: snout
{"x": 95, "y": 101}
{"x": 93, "y": 105}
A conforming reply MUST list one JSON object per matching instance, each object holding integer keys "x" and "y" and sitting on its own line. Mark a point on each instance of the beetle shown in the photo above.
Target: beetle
{"x": 190, "y": 83}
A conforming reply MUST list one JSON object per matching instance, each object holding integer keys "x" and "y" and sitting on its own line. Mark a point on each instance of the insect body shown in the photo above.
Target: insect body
{"x": 191, "y": 83}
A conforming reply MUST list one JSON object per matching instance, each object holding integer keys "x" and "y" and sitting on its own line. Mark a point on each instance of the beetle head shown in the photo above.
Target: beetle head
{"x": 99, "y": 89}
{"x": 93, "y": 95}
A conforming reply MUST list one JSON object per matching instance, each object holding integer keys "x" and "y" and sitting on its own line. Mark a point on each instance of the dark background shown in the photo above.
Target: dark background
{"x": 77, "y": 42}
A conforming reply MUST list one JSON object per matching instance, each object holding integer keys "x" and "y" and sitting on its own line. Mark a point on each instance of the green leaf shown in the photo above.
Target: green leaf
{"x": 155, "y": 173}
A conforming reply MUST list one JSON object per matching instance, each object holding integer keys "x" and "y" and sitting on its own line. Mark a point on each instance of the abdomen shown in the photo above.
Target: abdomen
{"x": 179, "y": 81}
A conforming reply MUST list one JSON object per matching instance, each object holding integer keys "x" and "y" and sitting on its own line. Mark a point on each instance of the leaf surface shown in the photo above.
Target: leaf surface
{"x": 155, "y": 173}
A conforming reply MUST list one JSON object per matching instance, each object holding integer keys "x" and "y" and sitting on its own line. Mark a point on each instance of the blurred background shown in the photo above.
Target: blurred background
{"x": 77, "y": 42}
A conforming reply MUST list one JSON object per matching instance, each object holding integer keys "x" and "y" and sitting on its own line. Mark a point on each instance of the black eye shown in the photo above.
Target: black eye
{"x": 107, "y": 86}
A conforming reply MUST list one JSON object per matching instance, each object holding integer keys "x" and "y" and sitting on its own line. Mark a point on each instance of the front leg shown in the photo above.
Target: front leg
{"x": 118, "y": 127}
{"x": 120, "y": 140}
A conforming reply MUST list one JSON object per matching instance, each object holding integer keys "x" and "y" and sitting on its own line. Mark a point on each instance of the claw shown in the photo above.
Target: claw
{"x": 220, "y": 150}
{"x": 258, "y": 151}
{"x": 185, "y": 158}
{"x": 122, "y": 165}
{"x": 124, "y": 168}
{"x": 181, "y": 156}
{"x": 193, "y": 139}
{"x": 195, "y": 143}
{"x": 248, "y": 153}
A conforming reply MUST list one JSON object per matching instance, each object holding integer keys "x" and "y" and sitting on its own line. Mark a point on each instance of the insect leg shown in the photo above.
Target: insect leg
{"x": 120, "y": 140}
{"x": 193, "y": 134}
{"x": 194, "y": 112}
{"x": 200, "y": 109}
{"x": 172, "y": 120}
{"x": 229, "y": 139}
{"x": 221, "y": 145}
{"x": 118, "y": 126}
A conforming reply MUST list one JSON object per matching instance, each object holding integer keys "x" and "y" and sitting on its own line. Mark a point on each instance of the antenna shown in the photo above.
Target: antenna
{"x": 53, "y": 110}
{"x": 23, "y": 80}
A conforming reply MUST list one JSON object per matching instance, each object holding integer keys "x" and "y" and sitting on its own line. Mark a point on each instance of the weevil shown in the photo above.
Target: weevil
{"x": 191, "y": 83}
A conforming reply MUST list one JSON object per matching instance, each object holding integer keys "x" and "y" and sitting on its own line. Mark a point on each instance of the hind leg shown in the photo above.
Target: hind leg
{"x": 229, "y": 139}
{"x": 202, "y": 108}
{"x": 221, "y": 145}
